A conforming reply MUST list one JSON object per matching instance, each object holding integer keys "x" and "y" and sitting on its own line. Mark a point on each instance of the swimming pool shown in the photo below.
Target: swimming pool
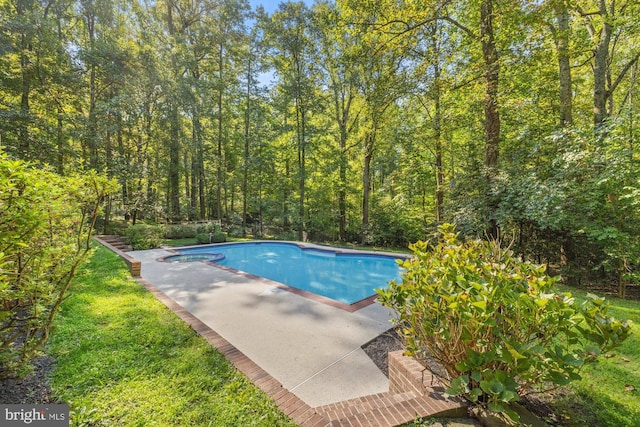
{"x": 348, "y": 276}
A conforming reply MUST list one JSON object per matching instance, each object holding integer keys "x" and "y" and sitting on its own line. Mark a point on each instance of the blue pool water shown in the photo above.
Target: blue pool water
{"x": 345, "y": 277}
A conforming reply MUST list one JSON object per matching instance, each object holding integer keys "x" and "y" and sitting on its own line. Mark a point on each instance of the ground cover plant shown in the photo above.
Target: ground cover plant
{"x": 495, "y": 325}
{"x": 123, "y": 358}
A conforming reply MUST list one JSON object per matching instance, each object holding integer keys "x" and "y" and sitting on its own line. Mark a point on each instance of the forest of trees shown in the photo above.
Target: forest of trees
{"x": 348, "y": 120}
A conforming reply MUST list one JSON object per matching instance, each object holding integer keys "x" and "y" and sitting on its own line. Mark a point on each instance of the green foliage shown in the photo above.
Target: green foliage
{"x": 203, "y": 238}
{"x": 143, "y": 236}
{"x": 214, "y": 237}
{"x": 180, "y": 231}
{"x": 493, "y": 322}
{"x": 583, "y": 199}
{"x": 45, "y": 227}
{"x": 218, "y": 237}
{"x": 207, "y": 228}
{"x": 602, "y": 397}
{"x": 394, "y": 224}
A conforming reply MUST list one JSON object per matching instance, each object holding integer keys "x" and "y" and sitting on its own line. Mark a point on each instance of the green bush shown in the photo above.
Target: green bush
{"x": 179, "y": 231}
{"x": 143, "y": 236}
{"x": 216, "y": 237}
{"x": 203, "y": 238}
{"x": 207, "y": 228}
{"x": 493, "y": 322}
{"x": 46, "y": 222}
{"x": 394, "y": 224}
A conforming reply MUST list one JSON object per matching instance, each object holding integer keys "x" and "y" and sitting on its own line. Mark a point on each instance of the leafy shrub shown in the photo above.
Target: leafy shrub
{"x": 394, "y": 224}
{"x": 143, "y": 236}
{"x": 218, "y": 237}
{"x": 179, "y": 231}
{"x": 207, "y": 228}
{"x": 493, "y": 322}
{"x": 45, "y": 230}
{"x": 116, "y": 227}
{"x": 203, "y": 238}
{"x": 235, "y": 231}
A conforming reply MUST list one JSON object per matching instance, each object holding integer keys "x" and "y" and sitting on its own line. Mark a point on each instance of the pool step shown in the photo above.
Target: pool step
{"x": 118, "y": 242}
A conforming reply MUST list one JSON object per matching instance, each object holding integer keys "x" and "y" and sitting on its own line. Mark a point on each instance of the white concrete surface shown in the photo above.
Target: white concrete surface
{"x": 311, "y": 348}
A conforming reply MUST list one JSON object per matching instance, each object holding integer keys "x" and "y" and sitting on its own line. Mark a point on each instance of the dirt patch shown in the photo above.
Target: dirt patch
{"x": 33, "y": 389}
{"x": 378, "y": 349}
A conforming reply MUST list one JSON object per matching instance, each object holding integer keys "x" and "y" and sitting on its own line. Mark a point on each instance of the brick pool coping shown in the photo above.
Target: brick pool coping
{"x": 413, "y": 391}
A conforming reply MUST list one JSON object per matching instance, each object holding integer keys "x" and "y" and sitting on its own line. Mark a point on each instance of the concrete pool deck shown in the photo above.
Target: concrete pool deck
{"x": 306, "y": 355}
{"x": 312, "y": 349}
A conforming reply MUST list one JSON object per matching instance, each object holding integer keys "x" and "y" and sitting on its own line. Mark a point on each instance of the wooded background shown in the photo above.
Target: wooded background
{"x": 370, "y": 121}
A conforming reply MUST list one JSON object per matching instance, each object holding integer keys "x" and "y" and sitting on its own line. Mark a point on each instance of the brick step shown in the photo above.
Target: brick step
{"x": 366, "y": 403}
{"x": 117, "y": 242}
{"x": 384, "y": 410}
{"x": 413, "y": 392}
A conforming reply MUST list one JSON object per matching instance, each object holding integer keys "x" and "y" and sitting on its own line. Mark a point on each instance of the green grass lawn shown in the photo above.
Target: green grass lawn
{"x": 123, "y": 358}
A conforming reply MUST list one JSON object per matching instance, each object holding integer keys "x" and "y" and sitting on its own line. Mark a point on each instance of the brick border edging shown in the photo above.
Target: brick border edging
{"x": 134, "y": 265}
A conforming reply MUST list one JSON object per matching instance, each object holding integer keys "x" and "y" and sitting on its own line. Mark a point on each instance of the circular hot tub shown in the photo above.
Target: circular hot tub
{"x": 213, "y": 257}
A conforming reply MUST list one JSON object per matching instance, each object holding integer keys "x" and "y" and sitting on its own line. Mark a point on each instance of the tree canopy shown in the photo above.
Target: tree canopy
{"x": 367, "y": 121}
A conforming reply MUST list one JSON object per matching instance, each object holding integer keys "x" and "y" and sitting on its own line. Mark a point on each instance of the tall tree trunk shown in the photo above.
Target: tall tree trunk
{"x": 491, "y": 112}
{"x": 201, "y": 178}
{"x": 197, "y": 162}
{"x": 193, "y": 195}
{"x": 366, "y": 181}
{"x": 564, "y": 65}
{"x": 26, "y": 74}
{"x": 174, "y": 165}
{"x": 342, "y": 190}
{"x": 301, "y": 125}
{"x": 604, "y": 83}
{"x": 60, "y": 111}
{"x": 108, "y": 162}
{"x": 92, "y": 125}
{"x": 438, "y": 148}
{"x": 219, "y": 160}
{"x": 600, "y": 67}
{"x": 173, "y": 181}
{"x": 343, "y": 108}
{"x": 25, "y": 109}
{"x": 247, "y": 128}
{"x": 437, "y": 122}
{"x": 286, "y": 189}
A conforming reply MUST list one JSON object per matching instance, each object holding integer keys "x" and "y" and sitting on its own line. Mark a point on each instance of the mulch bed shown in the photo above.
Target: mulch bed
{"x": 378, "y": 349}
{"x": 33, "y": 389}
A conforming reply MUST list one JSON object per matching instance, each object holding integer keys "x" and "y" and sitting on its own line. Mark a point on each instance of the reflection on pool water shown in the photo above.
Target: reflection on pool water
{"x": 345, "y": 277}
